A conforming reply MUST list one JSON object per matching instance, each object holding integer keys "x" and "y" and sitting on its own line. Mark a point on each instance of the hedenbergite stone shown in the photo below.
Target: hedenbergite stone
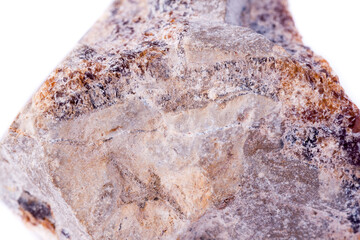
{"x": 190, "y": 120}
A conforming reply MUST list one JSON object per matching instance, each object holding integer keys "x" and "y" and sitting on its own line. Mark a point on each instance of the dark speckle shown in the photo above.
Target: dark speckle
{"x": 90, "y": 75}
{"x": 65, "y": 233}
{"x": 36, "y": 208}
{"x": 86, "y": 53}
{"x": 354, "y": 218}
{"x": 311, "y": 139}
{"x": 350, "y": 144}
{"x": 223, "y": 204}
{"x": 351, "y": 188}
{"x": 308, "y": 154}
{"x": 142, "y": 205}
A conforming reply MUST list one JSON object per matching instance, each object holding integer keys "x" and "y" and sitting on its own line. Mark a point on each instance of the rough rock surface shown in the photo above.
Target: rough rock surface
{"x": 184, "y": 119}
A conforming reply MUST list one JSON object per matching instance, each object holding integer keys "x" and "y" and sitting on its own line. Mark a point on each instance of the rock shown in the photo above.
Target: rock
{"x": 188, "y": 120}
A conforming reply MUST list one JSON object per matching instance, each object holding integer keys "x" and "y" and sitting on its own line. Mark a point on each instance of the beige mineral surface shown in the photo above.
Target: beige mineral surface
{"x": 187, "y": 119}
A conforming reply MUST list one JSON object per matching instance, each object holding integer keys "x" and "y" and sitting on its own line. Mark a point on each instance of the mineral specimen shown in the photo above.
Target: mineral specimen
{"x": 184, "y": 119}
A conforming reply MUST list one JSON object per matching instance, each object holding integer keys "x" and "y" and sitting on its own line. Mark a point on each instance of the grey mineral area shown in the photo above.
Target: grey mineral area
{"x": 187, "y": 120}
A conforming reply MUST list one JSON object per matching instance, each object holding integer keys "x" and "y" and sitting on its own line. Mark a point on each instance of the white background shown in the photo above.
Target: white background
{"x": 36, "y": 35}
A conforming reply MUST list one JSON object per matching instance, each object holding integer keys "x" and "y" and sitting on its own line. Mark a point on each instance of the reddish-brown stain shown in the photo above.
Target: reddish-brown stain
{"x": 356, "y": 127}
{"x": 27, "y": 217}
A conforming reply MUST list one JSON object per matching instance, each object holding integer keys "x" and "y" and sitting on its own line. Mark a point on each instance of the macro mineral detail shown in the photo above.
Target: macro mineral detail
{"x": 186, "y": 119}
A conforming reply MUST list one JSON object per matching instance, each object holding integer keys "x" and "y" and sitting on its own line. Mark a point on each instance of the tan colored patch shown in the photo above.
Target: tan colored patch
{"x": 30, "y": 219}
{"x": 191, "y": 189}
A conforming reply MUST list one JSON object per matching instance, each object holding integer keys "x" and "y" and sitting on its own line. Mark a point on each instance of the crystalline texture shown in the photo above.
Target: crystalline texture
{"x": 187, "y": 120}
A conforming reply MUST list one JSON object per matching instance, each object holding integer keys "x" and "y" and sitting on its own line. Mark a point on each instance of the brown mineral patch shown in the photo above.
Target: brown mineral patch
{"x": 321, "y": 105}
{"x": 35, "y": 212}
{"x": 356, "y": 127}
{"x": 115, "y": 129}
{"x": 18, "y": 131}
{"x": 224, "y": 203}
{"x": 90, "y": 85}
{"x": 28, "y": 218}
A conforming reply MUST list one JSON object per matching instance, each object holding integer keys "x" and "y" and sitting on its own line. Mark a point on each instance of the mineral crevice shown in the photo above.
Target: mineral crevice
{"x": 187, "y": 120}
